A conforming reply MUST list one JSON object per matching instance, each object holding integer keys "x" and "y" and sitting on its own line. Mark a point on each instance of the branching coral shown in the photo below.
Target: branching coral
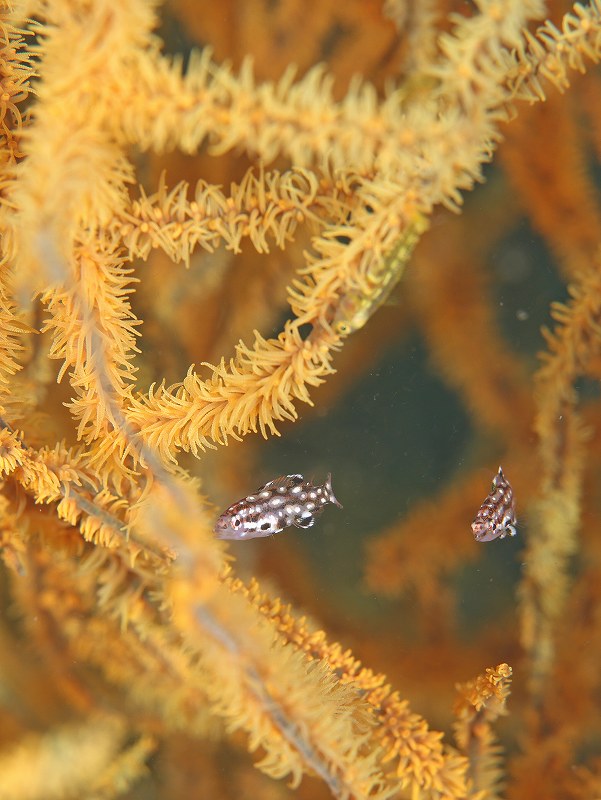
{"x": 107, "y": 543}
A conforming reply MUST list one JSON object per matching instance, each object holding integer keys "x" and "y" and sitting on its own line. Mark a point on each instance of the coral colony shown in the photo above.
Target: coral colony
{"x": 137, "y": 656}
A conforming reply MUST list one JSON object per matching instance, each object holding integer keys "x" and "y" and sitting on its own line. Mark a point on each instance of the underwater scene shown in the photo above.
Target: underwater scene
{"x": 300, "y": 420}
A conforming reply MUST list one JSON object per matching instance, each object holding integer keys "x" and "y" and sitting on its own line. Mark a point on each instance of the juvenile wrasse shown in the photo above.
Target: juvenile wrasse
{"x": 358, "y": 305}
{"x": 496, "y": 516}
{"x": 284, "y": 501}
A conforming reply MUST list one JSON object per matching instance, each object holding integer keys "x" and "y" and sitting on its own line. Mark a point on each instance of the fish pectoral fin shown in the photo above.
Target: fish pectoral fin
{"x": 304, "y": 522}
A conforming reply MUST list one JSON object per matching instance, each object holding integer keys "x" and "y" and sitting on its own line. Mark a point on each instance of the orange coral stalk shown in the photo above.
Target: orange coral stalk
{"x": 479, "y": 704}
{"x": 573, "y": 343}
{"x": 416, "y": 753}
{"x": 90, "y": 757}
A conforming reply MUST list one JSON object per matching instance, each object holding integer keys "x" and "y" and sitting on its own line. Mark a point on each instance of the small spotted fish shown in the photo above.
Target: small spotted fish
{"x": 496, "y": 516}
{"x": 285, "y": 501}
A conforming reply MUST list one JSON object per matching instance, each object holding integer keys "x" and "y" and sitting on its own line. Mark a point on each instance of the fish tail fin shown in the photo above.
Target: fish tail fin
{"x": 330, "y": 491}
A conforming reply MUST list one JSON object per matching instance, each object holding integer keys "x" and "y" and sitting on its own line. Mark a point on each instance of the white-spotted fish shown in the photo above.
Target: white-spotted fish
{"x": 284, "y": 501}
{"x": 496, "y": 516}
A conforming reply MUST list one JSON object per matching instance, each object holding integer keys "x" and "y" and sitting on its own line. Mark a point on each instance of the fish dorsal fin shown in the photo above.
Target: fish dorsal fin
{"x": 283, "y": 480}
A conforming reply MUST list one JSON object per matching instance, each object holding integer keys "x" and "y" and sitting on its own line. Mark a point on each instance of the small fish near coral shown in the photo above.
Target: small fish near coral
{"x": 496, "y": 516}
{"x": 284, "y": 501}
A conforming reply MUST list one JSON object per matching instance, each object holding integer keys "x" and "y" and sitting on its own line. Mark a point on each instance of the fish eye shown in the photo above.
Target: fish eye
{"x": 236, "y": 522}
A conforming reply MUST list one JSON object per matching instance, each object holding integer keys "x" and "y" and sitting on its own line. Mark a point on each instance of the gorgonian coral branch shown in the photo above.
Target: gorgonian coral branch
{"x": 573, "y": 344}
{"x": 550, "y": 54}
{"x": 266, "y": 208}
{"x": 479, "y": 703}
{"x": 415, "y": 753}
